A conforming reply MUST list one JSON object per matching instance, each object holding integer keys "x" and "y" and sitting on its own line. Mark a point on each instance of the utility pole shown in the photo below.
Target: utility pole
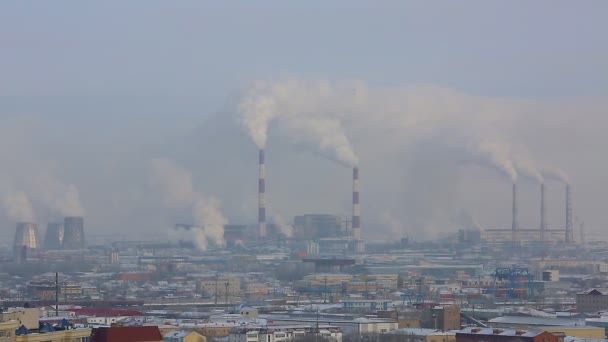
{"x": 56, "y": 294}
{"x": 226, "y": 294}
{"x": 325, "y": 291}
{"x": 215, "y": 292}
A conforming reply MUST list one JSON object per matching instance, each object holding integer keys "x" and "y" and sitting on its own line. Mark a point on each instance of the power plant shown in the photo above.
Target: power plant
{"x": 516, "y": 235}
{"x": 73, "y": 233}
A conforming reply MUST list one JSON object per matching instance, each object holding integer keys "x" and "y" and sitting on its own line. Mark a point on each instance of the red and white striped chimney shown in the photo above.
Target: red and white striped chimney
{"x": 356, "y": 207}
{"x": 569, "y": 238}
{"x": 262, "y": 197}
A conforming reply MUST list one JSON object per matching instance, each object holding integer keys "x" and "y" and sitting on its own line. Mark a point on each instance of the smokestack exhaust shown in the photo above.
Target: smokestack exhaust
{"x": 569, "y": 223}
{"x": 543, "y": 212}
{"x": 356, "y": 207}
{"x": 262, "y": 196}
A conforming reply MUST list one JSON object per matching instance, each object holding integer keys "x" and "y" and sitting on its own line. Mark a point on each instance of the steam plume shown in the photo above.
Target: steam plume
{"x": 61, "y": 198}
{"x": 309, "y": 113}
{"x": 556, "y": 174}
{"x": 207, "y": 213}
{"x": 285, "y": 228}
{"x": 526, "y": 167}
{"x": 493, "y": 154}
{"x": 175, "y": 182}
{"x": 18, "y": 207}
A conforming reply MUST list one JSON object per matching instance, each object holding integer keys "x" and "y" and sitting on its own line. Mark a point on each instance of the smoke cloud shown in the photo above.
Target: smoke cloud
{"x": 284, "y": 227}
{"x": 176, "y": 185}
{"x": 61, "y": 198}
{"x": 556, "y": 174}
{"x": 308, "y": 113}
{"x": 18, "y": 207}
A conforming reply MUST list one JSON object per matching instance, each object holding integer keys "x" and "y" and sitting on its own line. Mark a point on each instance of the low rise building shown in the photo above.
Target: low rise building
{"x": 591, "y": 301}
{"x": 418, "y": 334}
{"x": 284, "y": 333}
{"x": 184, "y": 336}
{"x": 501, "y": 335}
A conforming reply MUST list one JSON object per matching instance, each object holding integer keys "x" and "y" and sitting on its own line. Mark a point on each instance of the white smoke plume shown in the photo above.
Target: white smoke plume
{"x": 18, "y": 207}
{"x": 188, "y": 233}
{"x": 61, "y": 198}
{"x": 207, "y": 213}
{"x": 309, "y": 113}
{"x": 285, "y": 228}
{"x": 491, "y": 153}
{"x": 556, "y": 174}
{"x": 175, "y": 182}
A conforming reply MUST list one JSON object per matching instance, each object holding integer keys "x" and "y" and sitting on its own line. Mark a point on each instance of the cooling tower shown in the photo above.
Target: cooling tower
{"x": 262, "y": 197}
{"x": 73, "y": 233}
{"x": 569, "y": 238}
{"x": 53, "y": 238}
{"x": 356, "y": 207}
{"x": 26, "y": 238}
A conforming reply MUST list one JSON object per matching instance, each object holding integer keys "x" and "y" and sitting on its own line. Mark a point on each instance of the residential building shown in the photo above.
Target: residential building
{"x": 591, "y": 301}
{"x": 367, "y": 305}
{"x": 220, "y": 286}
{"x": 284, "y": 333}
{"x": 184, "y": 336}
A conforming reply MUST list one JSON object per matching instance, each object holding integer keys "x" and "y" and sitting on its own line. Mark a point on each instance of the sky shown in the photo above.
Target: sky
{"x": 90, "y": 93}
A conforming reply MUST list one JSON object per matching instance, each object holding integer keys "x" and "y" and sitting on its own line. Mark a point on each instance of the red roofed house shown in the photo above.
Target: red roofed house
{"x": 127, "y": 334}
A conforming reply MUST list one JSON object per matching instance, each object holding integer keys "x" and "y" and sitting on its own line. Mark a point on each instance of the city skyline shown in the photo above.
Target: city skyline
{"x": 87, "y": 106}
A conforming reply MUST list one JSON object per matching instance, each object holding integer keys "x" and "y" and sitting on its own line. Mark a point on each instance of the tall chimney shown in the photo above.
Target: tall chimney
{"x": 262, "y": 196}
{"x": 514, "y": 223}
{"x": 543, "y": 212}
{"x": 356, "y": 207}
{"x": 569, "y": 225}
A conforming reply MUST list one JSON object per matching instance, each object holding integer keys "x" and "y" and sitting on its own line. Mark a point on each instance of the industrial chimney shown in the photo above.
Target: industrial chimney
{"x": 514, "y": 223}
{"x": 356, "y": 207}
{"x": 543, "y": 212}
{"x": 73, "y": 232}
{"x": 262, "y": 197}
{"x": 569, "y": 224}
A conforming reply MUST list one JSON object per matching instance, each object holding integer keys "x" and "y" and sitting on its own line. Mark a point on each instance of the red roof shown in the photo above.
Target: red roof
{"x": 126, "y": 334}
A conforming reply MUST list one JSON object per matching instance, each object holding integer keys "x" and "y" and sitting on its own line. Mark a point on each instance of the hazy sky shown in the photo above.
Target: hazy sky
{"x": 90, "y": 92}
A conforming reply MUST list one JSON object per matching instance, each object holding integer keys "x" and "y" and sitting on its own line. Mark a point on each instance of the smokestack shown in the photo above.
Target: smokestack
{"x": 514, "y": 223}
{"x": 356, "y": 207}
{"x": 543, "y": 222}
{"x": 569, "y": 225}
{"x": 262, "y": 196}
{"x": 73, "y": 232}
